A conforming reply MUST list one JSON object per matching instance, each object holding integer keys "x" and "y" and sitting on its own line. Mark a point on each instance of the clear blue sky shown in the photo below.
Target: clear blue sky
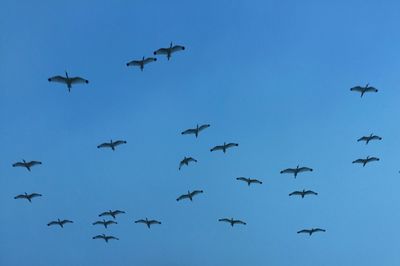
{"x": 273, "y": 76}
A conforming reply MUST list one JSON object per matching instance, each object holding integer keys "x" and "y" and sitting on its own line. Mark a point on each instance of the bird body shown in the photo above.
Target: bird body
{"x": 68, "y": 80}
{"x": 106, "y": 238}
{"x": 364, "y": 90}
{"x": 311, "y": 231}
{"x": 147, "y": 222}
{"x": 29, "y": 197}
{"x": 367, "y": 139}
{"x": 224, "y": 147}
{"x": 59, "y": 222}
{"x": 232, "y": 221}
{"x": 26, "y": 164}
{"x": 141, "y": 63}
{"x": 112, "y": 144}
{"x": 296, "y": 170}
{"x": 366, "y": 160}
{"x": 249, "y": 181}
{"x": 189, "y": 195}
{"x": 111, "y": 213}
{"x": 195, "y": 130}
{"x": 105, "y": 223}
{"x": 303, "y": 193}
{"x": 186, "y": 161}
{"x": 170, "y": 50}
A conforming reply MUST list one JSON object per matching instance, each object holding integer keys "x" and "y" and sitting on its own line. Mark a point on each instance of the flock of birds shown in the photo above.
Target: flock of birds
{"x": 69, "y": 81}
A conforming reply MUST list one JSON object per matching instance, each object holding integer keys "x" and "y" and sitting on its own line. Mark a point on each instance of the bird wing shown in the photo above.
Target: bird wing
{"x": 319, "y": 230}
{"x": 216, "y": 148}
{"x": 230, "y": 145}
{"x": 243, "y": 179}
{"x": 20, "y": 197}
{"x": 255, "y": 181}
{"x": 359, "y": 161}
{"x": 304, "y": 231}
{"x": 371, "y": 89}
{"x": 181, "y": 197}
{"x": 191, "y": 159}
{"x": 202, "y": 127}
{"x": 34, "y": 195}
{"x": 376, "y": 137}
{"x": 77, "y": 80}
{"x": 67, "y": 222}
{"x": 224, "y": 220}
{"x": 110, "y": 222}
{"x": 112, "y": 237}
{"x": 295, "y": 193}
{"x": 154, "y": 222}
{"x": 310, "y": 192}
{"x": 373, "y": 159}
{"x": 18, "y": 164}
{"x": 118, "y": 212}
{"x": 357, "y": 88}
{"x": 189, "y": 131}
{"x": 98, "y": 237}
{"x": 196, "y": 192}
{"x": 177, "y": 48}
{"x": 161, "y": 51}
{"x": 288, "y": 171}
{"x": 364, "y": 138}
{"x": 52, "y": 223}
{"x": 239, "y": 222}
{"x": 104, "y": 214}
{"x": 141, "y": 221}
{"x": 134, "y": 63}
{"x": 59, "y": 79}
{"x": 149, "y": 60}
{"x": 104, "y": 145}
{"x": 32, "y": 163}
{"x": 119, "y": 142}
{"x": 305, "y": 169}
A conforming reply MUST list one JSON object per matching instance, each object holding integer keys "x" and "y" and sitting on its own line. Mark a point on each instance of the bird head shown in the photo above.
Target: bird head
{"x": 366, "y": 86}
{"x": 170, "y": 45}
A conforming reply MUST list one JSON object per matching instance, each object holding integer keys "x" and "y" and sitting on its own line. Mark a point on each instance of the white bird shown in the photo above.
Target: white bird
{"x": 59, "y": 222}
{"x": 249, "y": 181}
{"x": 105, "y": 223}
{"x": 29, "y": 197}
{"x": 224, "y": 147}
{"x": 170, "y": 50}
{"x": 147, "y": 222}
{"x": 366, "y": 160}
{"x": 106, "y": 238}
{"x": 195, "y": 130}
{"x": 26, "y": 164}
{"x": 303, "y": 193}
{"x": 232, "y": 221}
{"x": 189, "y": 195}
{"x": 311, "y": 231}
{"x": 367, "y": 139}
{"x": 112, "y": 144}
{"x": 363, "y": 90}
{"x": 296, "y": 170}
{"x": 111, "y": 213}
{"x": 68, "y": 80}
{"x": 141, "y": 63}
{"x": 186, "y": 161}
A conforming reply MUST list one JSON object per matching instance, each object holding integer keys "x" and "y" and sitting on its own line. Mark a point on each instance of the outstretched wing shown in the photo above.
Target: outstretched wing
{"x": 33, "y": 163}
{"x": 67, "y": 222}
{"x": 98, "y": 237}
{"x": 224, "y": 220}
{"x": 78, "y": 80}
{"x": 20, "y": 197}
{"x": 184, "y": 196}
{"x": 288, "y": 171}
{"x": 306, "y": 231}
{"x": 357, "y": 88}
{"x": 319, "y": 230}
{"x": 191, "y": 159}
{"x": 243, "y": 179}
{"x": 216, "y": 148}
{"x": 177, "y": 48}
{"x": 295, "y": 193}
{"x": 373, "y": 159}
{"x": 112, "y": 237}
{"x": 134, "y": 63}
{"x": 119, "y": 142}
{"x": 118, "y": 212}
{"x": 154, "y": 222}
{"x": 141, "y": 221}
{"x": 149, "y": 60}
{"x": 52, "y": 223}
{"x": 59, "y": 79}
{"x": 202, "y": 127}
{"x": 364, "y": 138}
{"x": 104, "y": 145}
{"x": 359, "y": 161}
{"x": 305, "y": 169}
{"x": 239, "y": 222}
{"x": 255, "y": 181}
{"x": 161, "y": 51}
{"x": 34, "y": 195}
{"x": 230, "y": 145}
{"x": 310, "y": 192}
{"x": 371, "y": 89}
{"x": 194, "y": 193}
{"x": 189, "y": 131}
{"x": 376, "y": 137}
{"x": 18, "y": 164}
{"x": 104, "y": 214}
{"x": 98, "y": 222}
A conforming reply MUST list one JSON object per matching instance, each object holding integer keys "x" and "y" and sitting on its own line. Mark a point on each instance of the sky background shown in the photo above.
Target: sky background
{"x": 273, "y": 76}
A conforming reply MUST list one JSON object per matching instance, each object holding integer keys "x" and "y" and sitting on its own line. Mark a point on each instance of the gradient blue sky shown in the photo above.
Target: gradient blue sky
{"x": 273, "y": 76}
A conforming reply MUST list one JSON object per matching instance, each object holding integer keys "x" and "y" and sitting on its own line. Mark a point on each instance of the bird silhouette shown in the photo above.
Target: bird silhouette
{"x": 311, "y": 231}
{"x": 224, "y": 147}
{"x": 364, "y": 90}
{"x": 232, "y": 221}
{"x": 29, "y": 197}
{"x": 142, "y": 62}
{"x": 296, "y": 171}
{"x": 26, "y": 164}
{"x": 367, "y": 139}
{"x": 303, "y": 193}
{"x": 112, "y": 144}
{"x": 111, "y": 213}
{"x": 189, "y": 195}
{"x": 195, "y": 130}
{"x": 68, "y": 80}
{"x": 105, "y": 238}
{"x": 59, "y": 222}
{"x": 366, "y": 160}
{"x": 105, "y": 223}
{"x": 169, "y": 51}
{"x": 249, "y": 181}
{"x": 147, "y": 222}
{"x": 186, "y": 161}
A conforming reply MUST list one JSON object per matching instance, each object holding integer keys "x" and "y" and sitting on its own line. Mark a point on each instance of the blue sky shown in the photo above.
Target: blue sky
{"x": 273, "y": 76}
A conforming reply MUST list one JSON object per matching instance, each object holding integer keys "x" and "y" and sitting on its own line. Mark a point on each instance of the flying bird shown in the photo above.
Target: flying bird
{"x": 26, "y": 164}
{"x": 141, "y": 63}
{"x": 29, "y": 197}
{"x": 224, "y": 147}
{"x": 68, "y": 80}
{"x": 111, "y": 213}
{"x": 196, "y": 130}
{"x": 112, "y": 144}
{"x": 366, "y": 160}
{"x": 296, "y": 170}
{"x": 367, "y": 139}
{"x": 186, "y": 161}
{"x": 147, "y": 222}
{"x": 311, "y": 231}
{"x": 363, "y": 90}
{"x": 189, "y": 195}
{"x": 303, "y": 193}
{"x": 249, "y": 181}
{"x": 232, "y": 221}
{"x": 59, "y": 222}
{"x": 106, "y": 238}
{"x": 105, "y": 223}
{"x": 170, "y": 50}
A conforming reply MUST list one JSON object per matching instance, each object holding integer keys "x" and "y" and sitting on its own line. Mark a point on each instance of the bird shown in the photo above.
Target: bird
{"x": 311, "y": 231}
{"x": 189, "y": 195}
{"x": 367, "y": 139}
{"x": 249, "y": 181}
{"x": 224, "y": 147}
{"x": 232, "y": 221}
{"x": 105, "y": 223}
{"x": 26, "y": 164}
{"x": 363, "y": 90}
{"x": 29, "y": 197}
{"x": 141, "y": 63}
{"x": 59, "y": 222}
{"x": 147, "y": 222}
{"x": 303, "y": 193}
{"x": 111, "y": 213}
{"x": 112, "y": 144}
{"x": 296, "y": 170}
{"x": 106, "y": 238}
{"x": 366, "y": 160}
{"x": 195, "y": 130}
{"x": 68, "y": 80}
{"x": 186, "y": 161}
{"x": 168, "y": 51}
